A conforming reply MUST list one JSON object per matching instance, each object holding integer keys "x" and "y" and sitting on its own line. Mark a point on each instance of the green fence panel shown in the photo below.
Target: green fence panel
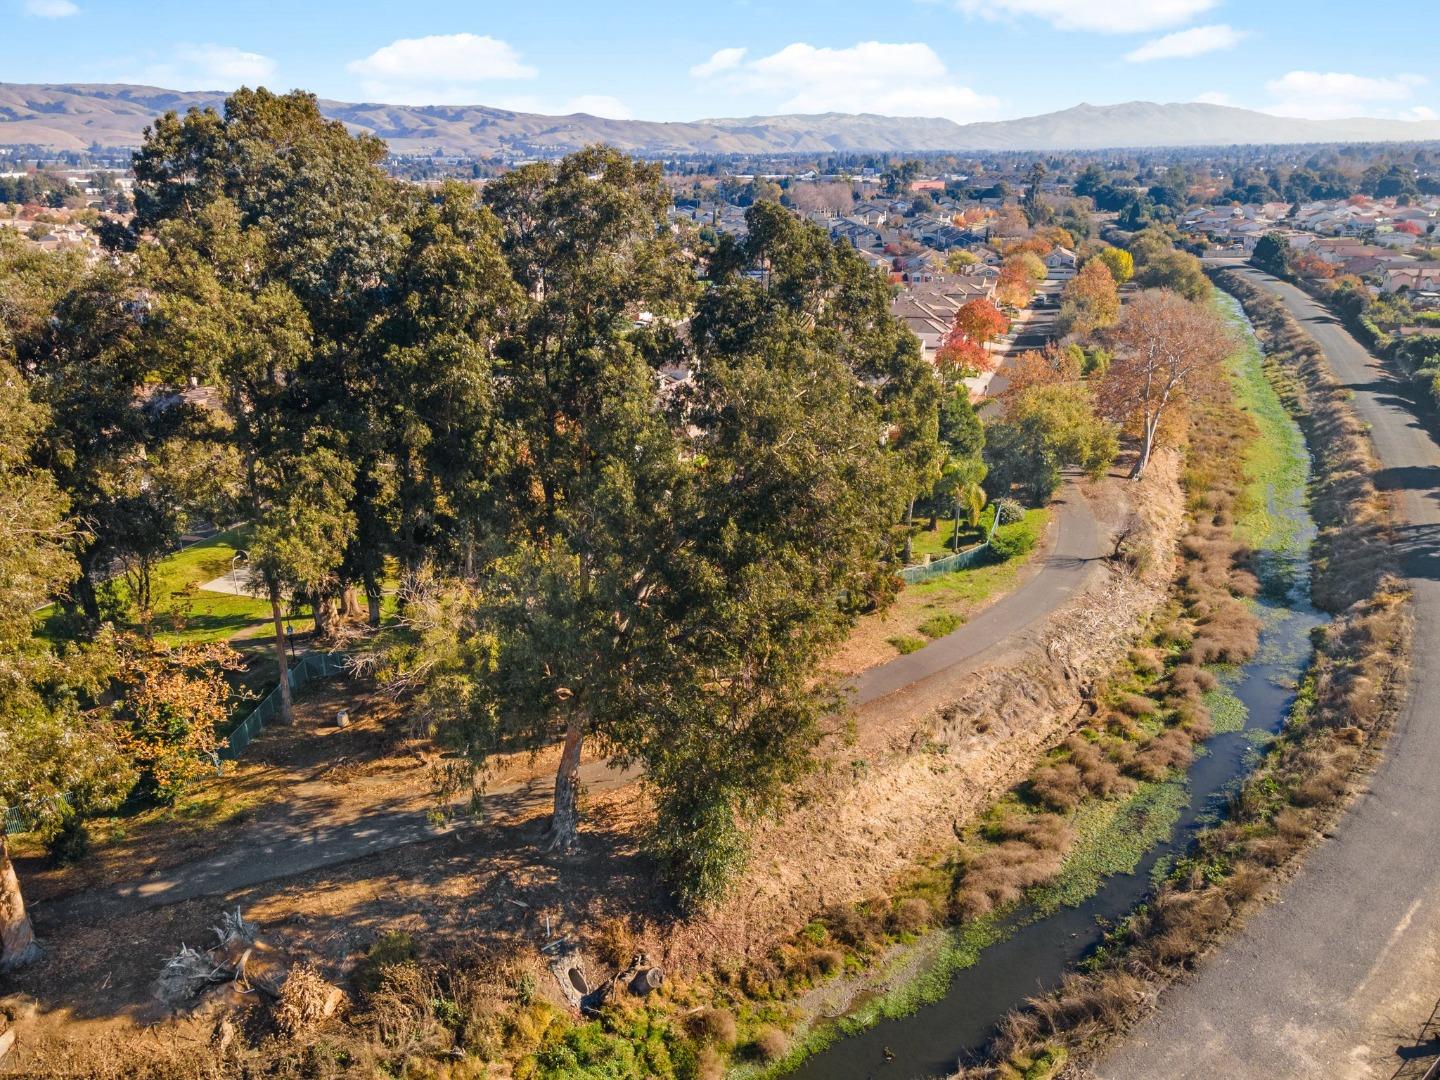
{"x": 961, "y": 560}
{"x": 309, "y": 667}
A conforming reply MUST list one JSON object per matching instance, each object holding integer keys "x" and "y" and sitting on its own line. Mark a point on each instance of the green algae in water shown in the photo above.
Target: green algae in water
{"x": 1277, "y": 466}
{"x": 961, "y": 949}
{"x": 1111, "y": 837}
{"x": 1227, "y": 712}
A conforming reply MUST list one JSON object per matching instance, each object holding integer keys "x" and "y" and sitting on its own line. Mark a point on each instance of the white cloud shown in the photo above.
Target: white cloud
{"x": 871, "y": 77}
{"x": 201, "y": 67}
{"x": 720, "y": 60}
{"x": 1332, "y": 95}
{"x": 1104, "y": 16}
{"x": 225, "y": 65}
{"x": 51, "y": 9}
{"x": 440, "y": 69}
{"x": 1183, "y": 43}
{"x": 1215, "y": 97}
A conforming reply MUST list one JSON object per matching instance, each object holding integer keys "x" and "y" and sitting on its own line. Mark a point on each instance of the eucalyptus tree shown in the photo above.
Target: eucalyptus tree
{"x": 73, "y": 329}
{"x": 52, "y": 755}
{"x": 321, "y": 228}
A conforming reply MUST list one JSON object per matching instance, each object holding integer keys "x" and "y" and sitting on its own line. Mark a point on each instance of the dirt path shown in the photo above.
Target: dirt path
{"x": 286, "y": 848}
{"x": 1341, "y": 972}
{"x": 295, "y": 843}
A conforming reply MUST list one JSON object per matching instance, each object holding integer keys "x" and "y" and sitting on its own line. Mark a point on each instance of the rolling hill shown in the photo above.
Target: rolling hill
{"x": 80, "y": 115}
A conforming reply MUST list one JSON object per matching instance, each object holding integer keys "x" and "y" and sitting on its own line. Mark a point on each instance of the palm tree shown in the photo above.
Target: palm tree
{"x": 960, "y": 481}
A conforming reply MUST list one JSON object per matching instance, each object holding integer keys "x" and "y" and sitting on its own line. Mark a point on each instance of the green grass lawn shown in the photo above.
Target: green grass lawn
{"x": 183, "y": 612}
{"x": 932, "y": 608}
{"x": 941, "y": 541}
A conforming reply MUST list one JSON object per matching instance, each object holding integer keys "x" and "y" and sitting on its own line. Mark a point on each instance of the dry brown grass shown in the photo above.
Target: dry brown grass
{"x": 1026, "y": 851}
{"x": 304, "y": 998}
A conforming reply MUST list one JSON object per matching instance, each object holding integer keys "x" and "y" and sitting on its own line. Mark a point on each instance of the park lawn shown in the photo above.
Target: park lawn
{"x": 932, "y": 608}
{"x": 187, "y": 614}
{"x": 941, "y": 541}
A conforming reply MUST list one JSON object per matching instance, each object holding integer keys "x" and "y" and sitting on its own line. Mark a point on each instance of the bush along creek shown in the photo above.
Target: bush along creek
{"x": 1045, "y": 881}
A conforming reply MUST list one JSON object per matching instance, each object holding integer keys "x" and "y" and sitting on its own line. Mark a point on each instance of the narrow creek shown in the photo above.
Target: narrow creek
{"x": 1037, "y": 948}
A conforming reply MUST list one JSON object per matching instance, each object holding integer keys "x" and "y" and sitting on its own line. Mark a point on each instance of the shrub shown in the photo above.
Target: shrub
{"x": 714, "y": 1026}
{"x": 70, "y": 842}
{"x": 615, "y": 945}
{"x": 940, "y": 624}
{"x": 907, "y": 643}
{"x": 1011, "y": 543}
{"x": 1008, "y": 512}
{"x": 390, "y": 949}
{"x": 770, "y": 1044}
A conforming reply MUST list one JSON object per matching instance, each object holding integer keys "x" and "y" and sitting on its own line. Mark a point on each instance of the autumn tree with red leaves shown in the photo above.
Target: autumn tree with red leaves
{"x": 963, "y": 351}
{"x": 981, "y": 321}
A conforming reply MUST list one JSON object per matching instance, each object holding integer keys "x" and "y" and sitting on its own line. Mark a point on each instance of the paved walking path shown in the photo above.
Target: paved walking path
{"x": 1330, "y": 980}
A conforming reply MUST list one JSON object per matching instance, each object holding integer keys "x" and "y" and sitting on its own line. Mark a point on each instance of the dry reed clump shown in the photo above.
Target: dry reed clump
{"x": 714, "y": 1027}
{"x": 771, "y": 1044}
{"x": 1190, "y": 682}
{"x": 1088, "y": 1004}
{"x": 1137, "y": 705}
{"x": 912, "y": 915}
{"x": 1086, "y": 771}
{"x": 1025, "y": 851}
{"x": 1171, "y": 749}
{"x": 305, "y": 1000}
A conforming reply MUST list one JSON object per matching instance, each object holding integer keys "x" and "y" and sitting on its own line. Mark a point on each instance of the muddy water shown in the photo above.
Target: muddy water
{"x": 932, "y": 1041}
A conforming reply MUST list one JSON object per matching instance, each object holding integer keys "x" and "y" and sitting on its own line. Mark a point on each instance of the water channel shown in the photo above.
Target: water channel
{"x": 1249, "y": 708}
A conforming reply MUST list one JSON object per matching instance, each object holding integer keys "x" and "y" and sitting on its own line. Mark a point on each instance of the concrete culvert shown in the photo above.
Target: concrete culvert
{"x": 647, "y": 980}
{"x": 577, "y": 980}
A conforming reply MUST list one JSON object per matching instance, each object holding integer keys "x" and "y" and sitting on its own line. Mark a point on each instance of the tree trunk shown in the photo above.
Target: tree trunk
{"x": 564, "y": 823}
{"x": 1147, "y": 443}
{"x": 324, "y": 610}
{"x": 17, "y": 939}
{"x": 349, "y": 603}
{"x": 372, "y": 604}
{"x": 84, "y": 592}
{"x": 909, "y": 530}
{"x": 286, "y": 715}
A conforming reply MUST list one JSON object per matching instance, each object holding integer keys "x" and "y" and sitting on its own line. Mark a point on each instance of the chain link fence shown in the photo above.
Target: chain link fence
{"x": 961, "y": 560}
{"x": 311, "y": 666}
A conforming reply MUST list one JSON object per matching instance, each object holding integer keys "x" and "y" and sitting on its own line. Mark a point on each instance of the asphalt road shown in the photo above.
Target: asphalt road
{"x": 1334, "y": 979}
{"x": 1078, "y": 553}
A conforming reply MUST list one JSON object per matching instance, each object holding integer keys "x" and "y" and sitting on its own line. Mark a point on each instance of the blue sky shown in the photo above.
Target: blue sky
{"x": 963, "y": 59}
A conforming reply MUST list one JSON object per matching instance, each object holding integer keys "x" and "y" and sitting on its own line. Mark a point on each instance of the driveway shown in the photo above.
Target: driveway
{"x": 1338, "y": 974}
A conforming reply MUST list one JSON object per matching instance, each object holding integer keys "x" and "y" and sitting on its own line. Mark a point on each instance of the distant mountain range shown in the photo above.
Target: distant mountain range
{"x": 80, "y": 115}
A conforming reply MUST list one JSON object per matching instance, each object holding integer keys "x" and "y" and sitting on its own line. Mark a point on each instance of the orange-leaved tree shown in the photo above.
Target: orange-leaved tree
{"x": 172, "y": 698}
{"x": 981, "y": 321}
{"x": 1163, "y": 343}
{"x": 1090, "y": 301}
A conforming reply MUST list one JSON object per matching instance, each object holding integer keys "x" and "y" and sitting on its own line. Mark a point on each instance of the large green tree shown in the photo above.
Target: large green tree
{"x": 55, "y": 757}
